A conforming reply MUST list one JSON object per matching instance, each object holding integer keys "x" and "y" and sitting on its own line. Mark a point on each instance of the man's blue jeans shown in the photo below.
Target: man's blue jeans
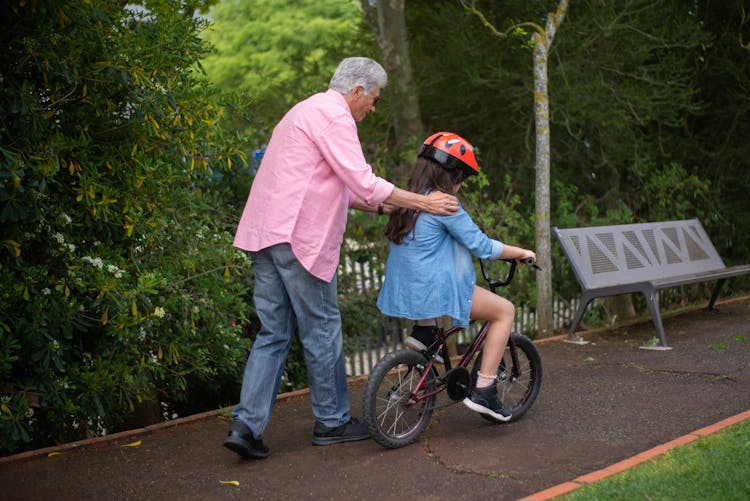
{"x": 288, "y": 296}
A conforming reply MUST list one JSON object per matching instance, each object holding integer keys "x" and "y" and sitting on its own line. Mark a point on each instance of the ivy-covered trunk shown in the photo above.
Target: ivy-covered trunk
{"x": 542, "y": 43}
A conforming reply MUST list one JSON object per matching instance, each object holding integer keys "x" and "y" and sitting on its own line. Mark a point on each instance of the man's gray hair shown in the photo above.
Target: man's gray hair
{"x": 354, "y": 71}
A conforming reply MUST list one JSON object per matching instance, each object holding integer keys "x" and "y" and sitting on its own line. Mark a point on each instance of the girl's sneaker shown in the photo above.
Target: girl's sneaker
{"x": 425, "y": 338}
{"x": 485, "y": 401}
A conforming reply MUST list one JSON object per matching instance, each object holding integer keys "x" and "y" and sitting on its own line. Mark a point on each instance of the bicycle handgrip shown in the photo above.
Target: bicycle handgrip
{"x": 530, "y": 262}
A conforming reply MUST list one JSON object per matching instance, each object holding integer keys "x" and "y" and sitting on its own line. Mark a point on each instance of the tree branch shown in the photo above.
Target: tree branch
{"x": 469, "y": 6}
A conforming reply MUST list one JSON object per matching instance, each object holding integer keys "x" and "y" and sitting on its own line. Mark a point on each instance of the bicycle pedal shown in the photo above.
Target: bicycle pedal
{"x": 458, "y": 383}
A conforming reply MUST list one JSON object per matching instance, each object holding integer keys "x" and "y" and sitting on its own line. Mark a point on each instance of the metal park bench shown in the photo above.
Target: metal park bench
{"x": 647, "y": 257}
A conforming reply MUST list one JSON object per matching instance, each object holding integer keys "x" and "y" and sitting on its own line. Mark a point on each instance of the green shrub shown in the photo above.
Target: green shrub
{"x": 120, "y": 289}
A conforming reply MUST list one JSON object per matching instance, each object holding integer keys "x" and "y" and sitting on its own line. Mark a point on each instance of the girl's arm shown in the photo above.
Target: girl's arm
{"x": 462, "y": 228}
{"x": 436, "y": 202}
{"x": 516, "y": 253}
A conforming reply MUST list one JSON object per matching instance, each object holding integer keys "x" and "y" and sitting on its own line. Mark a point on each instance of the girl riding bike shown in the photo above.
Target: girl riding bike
{"x": 429, "y": 272}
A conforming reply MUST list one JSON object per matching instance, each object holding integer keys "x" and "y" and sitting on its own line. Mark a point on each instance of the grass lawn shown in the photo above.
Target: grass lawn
{"x": 715, "y": 467}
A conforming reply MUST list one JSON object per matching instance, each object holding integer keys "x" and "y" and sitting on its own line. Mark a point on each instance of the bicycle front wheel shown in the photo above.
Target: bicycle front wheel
{"x": 394, "y": 417}
{"x": 517, "y": 385}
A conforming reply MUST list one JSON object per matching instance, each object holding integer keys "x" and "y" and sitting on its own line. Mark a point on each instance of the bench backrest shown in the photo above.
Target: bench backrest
{"x": 603, "y": 256}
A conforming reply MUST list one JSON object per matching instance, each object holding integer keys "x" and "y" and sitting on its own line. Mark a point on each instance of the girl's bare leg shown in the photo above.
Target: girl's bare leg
{"x": 500, "y": 313}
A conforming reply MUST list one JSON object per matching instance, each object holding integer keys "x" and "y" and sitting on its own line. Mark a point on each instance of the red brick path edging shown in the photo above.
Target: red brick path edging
{"x": 625, "y": 464}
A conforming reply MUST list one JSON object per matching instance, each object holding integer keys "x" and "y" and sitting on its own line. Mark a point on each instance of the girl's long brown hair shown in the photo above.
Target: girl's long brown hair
{"x": 426, "y": 177}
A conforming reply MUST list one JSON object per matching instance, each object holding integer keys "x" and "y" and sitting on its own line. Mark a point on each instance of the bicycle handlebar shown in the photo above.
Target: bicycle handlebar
{"x": 530, "y": 262}
{"x": 495, "y": 283}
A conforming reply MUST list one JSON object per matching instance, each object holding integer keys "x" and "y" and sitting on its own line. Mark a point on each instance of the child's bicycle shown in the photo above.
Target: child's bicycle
{"x": 400, "y": 393}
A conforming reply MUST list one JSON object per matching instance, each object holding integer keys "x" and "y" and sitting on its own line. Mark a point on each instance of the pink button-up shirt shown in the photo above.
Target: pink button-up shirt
{"x": 312, "y": 171}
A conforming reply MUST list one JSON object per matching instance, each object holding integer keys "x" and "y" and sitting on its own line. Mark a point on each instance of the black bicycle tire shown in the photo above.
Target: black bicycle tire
{"x": 372, "y": 391}
{"x": 527, "y": 349}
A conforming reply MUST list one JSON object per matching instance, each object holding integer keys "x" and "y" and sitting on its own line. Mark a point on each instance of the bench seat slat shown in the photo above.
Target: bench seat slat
{"x": 705, "y": 276}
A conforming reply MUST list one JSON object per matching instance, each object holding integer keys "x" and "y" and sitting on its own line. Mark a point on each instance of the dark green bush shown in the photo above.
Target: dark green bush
{"x": 119, "y": 286}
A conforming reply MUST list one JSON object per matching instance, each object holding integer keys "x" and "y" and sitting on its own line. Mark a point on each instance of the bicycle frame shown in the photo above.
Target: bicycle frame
{"x": 468, "y": 356}
{"x": 464, "y": 362}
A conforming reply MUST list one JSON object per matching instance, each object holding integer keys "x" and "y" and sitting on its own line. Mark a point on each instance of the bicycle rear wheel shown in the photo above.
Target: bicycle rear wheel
{"x": 393, "y": 417}
{"x": 517, "y": 387}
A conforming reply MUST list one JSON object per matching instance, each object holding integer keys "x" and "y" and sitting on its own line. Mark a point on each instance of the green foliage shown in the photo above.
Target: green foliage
{"x": 713, "y": 143}
{"x": 670, "y": 192}
{"x": 500, "y": 212}
{"x": 620, "y": 120}
{"x": 278, "y": 53}
{"x": 118, "y": 281}
{"x": 478, "y": 85}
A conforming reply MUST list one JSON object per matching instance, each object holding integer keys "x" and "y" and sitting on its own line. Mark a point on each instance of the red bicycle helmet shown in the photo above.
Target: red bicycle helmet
{"x": 451, "y": 151}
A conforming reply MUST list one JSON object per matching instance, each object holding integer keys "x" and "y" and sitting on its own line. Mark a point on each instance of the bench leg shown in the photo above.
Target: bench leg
{"x": 652, "y": 299}
{"x": 715, "y": 294}
{"x": 572, "y": 336}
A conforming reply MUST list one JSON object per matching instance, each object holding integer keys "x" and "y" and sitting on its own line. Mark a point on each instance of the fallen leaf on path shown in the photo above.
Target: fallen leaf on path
{"x": 132, "y": 444}
{"x": 230, "y": 482}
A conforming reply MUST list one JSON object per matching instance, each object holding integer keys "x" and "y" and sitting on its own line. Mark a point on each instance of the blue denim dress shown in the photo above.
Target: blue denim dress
{"x": 431, "y": 274}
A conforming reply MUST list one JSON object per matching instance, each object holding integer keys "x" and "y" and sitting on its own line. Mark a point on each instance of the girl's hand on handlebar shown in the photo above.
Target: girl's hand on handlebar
{"x": 527, "y": 258}
{"x": 519, "y": 255}
{"x": 530, "y": 262}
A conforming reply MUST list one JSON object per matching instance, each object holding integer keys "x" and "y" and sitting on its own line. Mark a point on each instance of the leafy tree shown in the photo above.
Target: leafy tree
{"x": 713, "y": 145}
{"x": 620, "y": 115}
{"x": 277, "y": 53}
{"x": 541, "y": 39}
{"x": 119, "y": 287}
{"x": 388, "y": 22}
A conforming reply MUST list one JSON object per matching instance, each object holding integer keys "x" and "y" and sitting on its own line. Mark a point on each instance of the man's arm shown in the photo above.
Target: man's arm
{"x": 360, "y": 204}
{"x": 436, "y": 202}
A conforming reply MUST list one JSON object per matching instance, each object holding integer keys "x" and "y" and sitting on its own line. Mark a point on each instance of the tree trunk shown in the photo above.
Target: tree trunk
{"x": 542, "y": 43}
{"x": 388, "y": 22}
{"x": 544, "y": 322}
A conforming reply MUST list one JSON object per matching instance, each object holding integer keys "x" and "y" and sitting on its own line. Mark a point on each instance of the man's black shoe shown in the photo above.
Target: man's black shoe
{"x": 241, "y": 440}
{"x": 425, "y": 338}
{"x": 347, "y": 432}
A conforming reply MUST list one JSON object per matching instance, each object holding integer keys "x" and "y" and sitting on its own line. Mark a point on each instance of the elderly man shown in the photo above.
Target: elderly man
{"x": 293, "y": 225}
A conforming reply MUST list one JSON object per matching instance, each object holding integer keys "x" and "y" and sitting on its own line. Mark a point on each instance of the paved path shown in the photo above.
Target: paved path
{"x": 600, "y": 404}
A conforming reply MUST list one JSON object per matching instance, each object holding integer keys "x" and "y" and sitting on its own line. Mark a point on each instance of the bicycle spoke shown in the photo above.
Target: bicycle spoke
{"x": 398, "y": 390}
{"x": 395, "y": 417}
{"x": 396, "y": 420}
